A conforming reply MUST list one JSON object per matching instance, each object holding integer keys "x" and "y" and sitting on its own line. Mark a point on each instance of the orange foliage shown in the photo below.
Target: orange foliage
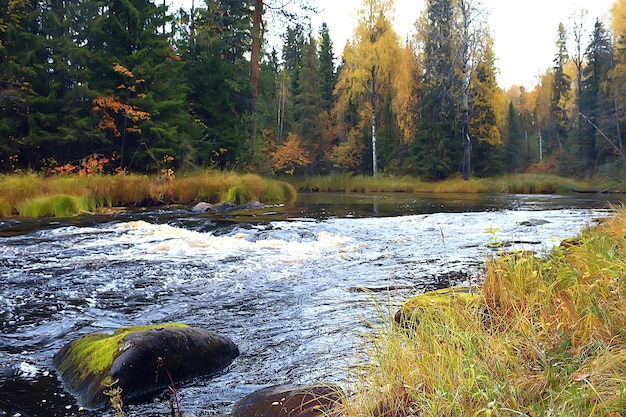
{"x": 87, "y": 167}
{"x": 108, "y": 104}
{"x": 550, "y": 166}
{"x": 330, "y": 134}
{"x": 290, "y": 155}
{"x": 122, "y": 70}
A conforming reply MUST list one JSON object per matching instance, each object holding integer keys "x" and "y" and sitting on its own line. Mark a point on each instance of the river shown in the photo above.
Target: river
{"x": 295, "y": 287}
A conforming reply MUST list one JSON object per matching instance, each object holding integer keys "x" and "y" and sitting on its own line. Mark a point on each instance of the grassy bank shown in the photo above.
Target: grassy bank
{"x": 34, "y": 195}
{"x": 545, "y": 338}
{"x": 517, "y": 184}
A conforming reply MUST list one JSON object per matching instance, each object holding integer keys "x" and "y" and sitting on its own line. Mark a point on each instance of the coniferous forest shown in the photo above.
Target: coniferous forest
{"x": 141, "y": 87}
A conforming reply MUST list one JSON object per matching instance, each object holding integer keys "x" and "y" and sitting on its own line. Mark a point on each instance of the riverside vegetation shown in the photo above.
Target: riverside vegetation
{"x": 35, "y": 195}
{"x": 546, "y": 339}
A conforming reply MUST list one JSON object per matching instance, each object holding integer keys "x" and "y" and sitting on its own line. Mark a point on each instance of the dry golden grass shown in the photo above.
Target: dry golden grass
{"x": 514, "y": 184}
{"x": 33, "y": 195}
{"x": 548, "y": 340}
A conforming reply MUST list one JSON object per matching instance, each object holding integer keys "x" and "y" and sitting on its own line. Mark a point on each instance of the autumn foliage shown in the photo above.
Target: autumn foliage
{"x": 110, "y": 105}
{"x": 290, "y": 156}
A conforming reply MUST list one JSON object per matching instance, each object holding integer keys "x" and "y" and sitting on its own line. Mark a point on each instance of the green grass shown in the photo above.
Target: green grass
{"x": 60, "y": 196}
{"x": 57, "y": 205}
{"x": 547, "y": 339}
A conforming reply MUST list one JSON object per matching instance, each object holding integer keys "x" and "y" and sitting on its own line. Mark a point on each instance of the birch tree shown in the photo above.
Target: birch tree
{"x": 453, "y": 36}
{"x": 369, "y": 63}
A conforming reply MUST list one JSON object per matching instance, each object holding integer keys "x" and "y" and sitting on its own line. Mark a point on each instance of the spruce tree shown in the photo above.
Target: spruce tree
{"x": 595, "y": 104}
{"x": 516, "y": 151}
{"x": 218, "y": 76}
{"x": 437, "y": 150}
{"x": 327, "y": 67}
{"x": 308, "y": 102}
{"x": 16, "y": 44}
{"x": 141, "y": 72}
{"x": 560, "y": 93}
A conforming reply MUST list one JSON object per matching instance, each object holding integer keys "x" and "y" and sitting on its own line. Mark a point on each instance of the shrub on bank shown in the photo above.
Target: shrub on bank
{"x": 548, "y": 340}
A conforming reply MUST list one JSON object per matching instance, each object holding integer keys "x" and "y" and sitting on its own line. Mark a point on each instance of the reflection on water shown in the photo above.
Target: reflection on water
{"x": 293, "y": 286}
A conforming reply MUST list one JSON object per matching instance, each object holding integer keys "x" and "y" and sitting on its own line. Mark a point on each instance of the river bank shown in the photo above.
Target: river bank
{"x": 295, "y": 287}
{"x": 510, "y": 184}
{"x": 546, "y": 338}
{"x": 61, "y": 196}
{"x": 33, "y": 195}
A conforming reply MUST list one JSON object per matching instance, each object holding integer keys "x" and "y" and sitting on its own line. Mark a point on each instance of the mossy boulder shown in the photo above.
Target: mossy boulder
{"x": 442, "y": 300}
{"x": 140, "y": 361}
{"x": 289, "y": 401}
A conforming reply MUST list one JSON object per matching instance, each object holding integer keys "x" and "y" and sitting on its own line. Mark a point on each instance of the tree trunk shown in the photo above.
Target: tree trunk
{"x": 540, "y": 146}
{"x": 373, "y": 100}
{"x": 255, "y": 57}
{"x": 467, "y": 144}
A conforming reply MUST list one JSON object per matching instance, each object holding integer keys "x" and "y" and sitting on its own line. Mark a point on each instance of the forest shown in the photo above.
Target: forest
{"x": 136, "y": 86}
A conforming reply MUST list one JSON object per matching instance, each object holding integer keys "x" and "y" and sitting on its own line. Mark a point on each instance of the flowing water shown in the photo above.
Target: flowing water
{"x": 295, "y": 287}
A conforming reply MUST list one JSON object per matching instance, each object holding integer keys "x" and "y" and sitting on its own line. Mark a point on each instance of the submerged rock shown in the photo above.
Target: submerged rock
{"x": 289, "y": 401}
{"x": 202, "y": 207}
{"x": 140, "y": 361}
{"x": 224, "y": 207}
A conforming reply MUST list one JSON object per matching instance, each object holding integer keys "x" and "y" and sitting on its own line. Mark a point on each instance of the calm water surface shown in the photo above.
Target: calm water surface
{"x": 294, "y": 286}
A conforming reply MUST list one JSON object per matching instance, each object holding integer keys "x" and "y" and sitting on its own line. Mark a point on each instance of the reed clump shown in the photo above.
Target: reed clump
{"x": 549, "y": 340}
{"x": 34, "y": 195}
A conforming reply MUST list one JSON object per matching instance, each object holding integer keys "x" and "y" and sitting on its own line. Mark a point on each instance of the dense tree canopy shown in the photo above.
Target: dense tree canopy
{"x": 146, "y": 88}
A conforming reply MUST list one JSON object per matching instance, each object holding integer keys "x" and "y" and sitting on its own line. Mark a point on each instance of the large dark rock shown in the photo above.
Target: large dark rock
{"x": 141, "y": 360}
{"x": 289, "y": 401}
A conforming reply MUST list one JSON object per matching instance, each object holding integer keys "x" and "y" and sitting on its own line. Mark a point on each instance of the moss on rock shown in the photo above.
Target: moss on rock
{"x": 130, "y": 357}
{"x": 440, "y": 299}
